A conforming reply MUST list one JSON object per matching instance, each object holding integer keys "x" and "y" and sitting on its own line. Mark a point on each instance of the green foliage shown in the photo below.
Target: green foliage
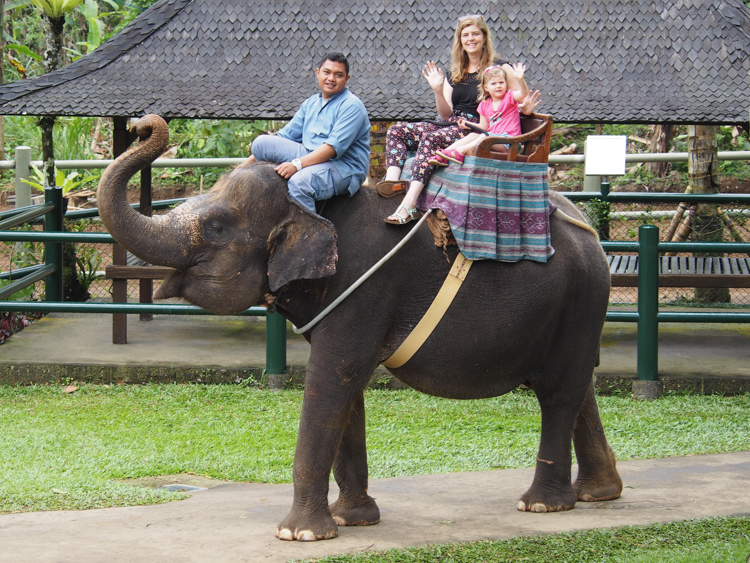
{"x": 56, "y": 8}
{"x": 216, "y": 138}
{"x": 96, "y": 27}
{"x": 66, "y": 182}
{"x": 89, "y": 259}
{"x": 22, "y": 255}
{"x": 25, "y": 294}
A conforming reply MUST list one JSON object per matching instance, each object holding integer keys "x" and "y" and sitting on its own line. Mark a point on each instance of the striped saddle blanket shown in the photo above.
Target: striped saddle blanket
{"x": 497, "y": 210}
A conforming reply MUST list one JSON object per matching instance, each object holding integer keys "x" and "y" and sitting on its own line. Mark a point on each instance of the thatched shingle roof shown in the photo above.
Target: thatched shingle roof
{"x": 682, "y": 61}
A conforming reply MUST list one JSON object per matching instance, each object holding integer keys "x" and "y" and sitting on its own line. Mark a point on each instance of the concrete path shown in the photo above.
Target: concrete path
{"x": 235, "y": 522}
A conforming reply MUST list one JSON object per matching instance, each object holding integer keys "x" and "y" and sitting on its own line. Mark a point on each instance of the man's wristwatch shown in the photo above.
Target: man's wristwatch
{"x": 297, "y": 163}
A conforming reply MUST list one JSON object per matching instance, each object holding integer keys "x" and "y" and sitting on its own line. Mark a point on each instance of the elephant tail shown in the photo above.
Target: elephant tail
{"x": 582, "y": 224}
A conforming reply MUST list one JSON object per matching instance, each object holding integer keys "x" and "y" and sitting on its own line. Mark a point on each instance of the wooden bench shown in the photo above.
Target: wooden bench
{"x": 684, "y": 271}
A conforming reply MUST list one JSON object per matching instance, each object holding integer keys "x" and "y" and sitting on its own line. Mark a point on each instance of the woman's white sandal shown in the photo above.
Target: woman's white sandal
{"x": 398, "y": 219}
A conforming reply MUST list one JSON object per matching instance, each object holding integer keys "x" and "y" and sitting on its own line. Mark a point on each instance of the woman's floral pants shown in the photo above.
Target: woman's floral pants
{"x": 426, "y": 139}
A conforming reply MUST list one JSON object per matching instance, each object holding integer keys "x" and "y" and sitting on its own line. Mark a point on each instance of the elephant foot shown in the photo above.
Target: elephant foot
{"x": 320, "y": 526}
{"x": 364, "y": 513}
{"x": 595, "y": 489}
{"x": 538, "y": 500}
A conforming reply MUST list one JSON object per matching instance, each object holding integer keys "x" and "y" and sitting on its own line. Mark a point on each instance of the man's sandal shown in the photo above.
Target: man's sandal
{"x": 437, "y": 160}
{"x": 398, "y": 219}
{"x": 390, "y": 188}
{"x": 452, "y": 154}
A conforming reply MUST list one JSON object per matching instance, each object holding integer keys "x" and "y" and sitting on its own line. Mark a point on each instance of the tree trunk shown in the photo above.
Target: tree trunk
{"x": 53, "y": 59}
{"x": 707, "y": 226}
{"x": 660, "y": 139}
{"x": 2, "y": 75}
{"x": 53, "y": 53}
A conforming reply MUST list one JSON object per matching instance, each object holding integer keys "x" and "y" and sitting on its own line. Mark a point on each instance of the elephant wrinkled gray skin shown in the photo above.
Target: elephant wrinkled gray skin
{"x": 510, "y": 324}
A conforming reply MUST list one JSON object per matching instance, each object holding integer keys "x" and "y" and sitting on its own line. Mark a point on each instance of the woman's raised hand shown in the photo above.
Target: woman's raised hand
{"x": 433, "y": 75}
{"x": 518, "y": 70}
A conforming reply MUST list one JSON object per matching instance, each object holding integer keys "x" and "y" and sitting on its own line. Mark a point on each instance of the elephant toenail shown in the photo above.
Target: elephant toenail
{"x": 306, "y": 535}
{"x": 521, "y": 506}
{"x": 284, "y": 534}
{"x": 538, "y": 507}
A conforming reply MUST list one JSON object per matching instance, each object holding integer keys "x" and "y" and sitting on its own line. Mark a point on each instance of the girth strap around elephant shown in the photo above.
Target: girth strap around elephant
{"x": 432, "y": 317}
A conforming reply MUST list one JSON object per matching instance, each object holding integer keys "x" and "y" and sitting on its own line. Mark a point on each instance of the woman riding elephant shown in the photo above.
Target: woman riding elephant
{"x": 455, "y": 98}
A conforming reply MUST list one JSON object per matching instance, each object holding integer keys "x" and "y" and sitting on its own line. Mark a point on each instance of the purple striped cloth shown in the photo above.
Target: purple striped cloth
{"x": 497, "y": 210}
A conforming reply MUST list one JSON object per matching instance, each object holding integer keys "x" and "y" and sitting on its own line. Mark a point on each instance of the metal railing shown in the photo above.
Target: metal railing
{"x": 647, "y": 315}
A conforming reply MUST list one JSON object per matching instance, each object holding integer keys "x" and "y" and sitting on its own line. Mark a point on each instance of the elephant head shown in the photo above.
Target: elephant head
{"x": 242, "y": 239}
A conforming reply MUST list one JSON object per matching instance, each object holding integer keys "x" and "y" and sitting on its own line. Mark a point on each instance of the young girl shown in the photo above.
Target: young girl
{"x": 498, "y": 113}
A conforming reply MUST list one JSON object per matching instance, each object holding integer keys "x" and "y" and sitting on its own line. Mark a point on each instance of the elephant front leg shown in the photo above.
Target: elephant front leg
{"x": 326, "y": 409}
{"x": 598, "y": 478}
{"x": 354, "y": 506}
{"x": 551, "y": 490}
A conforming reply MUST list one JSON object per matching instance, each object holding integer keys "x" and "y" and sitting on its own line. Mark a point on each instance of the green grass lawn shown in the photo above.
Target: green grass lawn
{"x": 709, "y": 540}
{"x": 67, "y": 451}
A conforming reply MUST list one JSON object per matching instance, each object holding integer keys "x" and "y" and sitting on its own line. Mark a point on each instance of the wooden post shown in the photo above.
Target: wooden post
{"x": 119, "y": 255}
{"x": 146, "y": 286}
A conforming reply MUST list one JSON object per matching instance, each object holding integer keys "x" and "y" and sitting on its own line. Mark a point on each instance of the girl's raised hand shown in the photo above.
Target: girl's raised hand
{"x": 530, "y": 102}
{"x": 518, "y": 70}
{"x": 433, "y": 75}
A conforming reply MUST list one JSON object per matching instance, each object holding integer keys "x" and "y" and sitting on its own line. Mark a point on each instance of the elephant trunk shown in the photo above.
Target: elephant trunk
{"x": 161, "y": 240}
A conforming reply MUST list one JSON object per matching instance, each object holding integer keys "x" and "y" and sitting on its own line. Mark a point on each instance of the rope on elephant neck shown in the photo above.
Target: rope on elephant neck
{"x": 362, "y": 278}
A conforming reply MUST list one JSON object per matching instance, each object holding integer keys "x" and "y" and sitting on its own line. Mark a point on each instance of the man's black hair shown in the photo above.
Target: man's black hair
{"x": 336, "y": 58}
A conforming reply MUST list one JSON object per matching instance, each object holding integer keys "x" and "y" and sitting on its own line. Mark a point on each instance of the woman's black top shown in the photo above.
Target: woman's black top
{"x": 465, "y": 93}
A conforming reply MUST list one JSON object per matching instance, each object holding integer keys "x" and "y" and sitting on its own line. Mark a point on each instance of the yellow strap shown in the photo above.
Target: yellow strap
{"x": 433, "y": 315}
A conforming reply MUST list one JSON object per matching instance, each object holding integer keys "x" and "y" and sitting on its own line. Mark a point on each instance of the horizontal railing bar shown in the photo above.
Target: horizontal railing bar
{"x": 618, "y": 246}
{"x": 94, "y": 212}
{"x": 123, "y": 308}
{"x": 224, "y": 162}
{"x": 38, "y": 236}
{"x": 682, "y": 317}
{"x": 655, "y": 197}
{"x": 705, "y": 317}
{"x": 20, "y": 272}
{"x": 158, "y": 163}
{"x": 621, "y": 317}
{"x": 31, "y": 212}
{"x": 26, "y": 281}
{"x": 729, "y": 247}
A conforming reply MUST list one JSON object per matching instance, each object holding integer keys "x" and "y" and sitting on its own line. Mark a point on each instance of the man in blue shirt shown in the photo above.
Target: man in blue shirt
{"x": 325, "y": 149}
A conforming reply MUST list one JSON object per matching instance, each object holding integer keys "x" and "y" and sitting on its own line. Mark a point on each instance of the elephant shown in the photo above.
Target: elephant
{"x": 511, "y": 324}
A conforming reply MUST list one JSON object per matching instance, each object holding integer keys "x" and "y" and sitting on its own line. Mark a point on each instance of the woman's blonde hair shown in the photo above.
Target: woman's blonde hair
{"x": 459, "y": 57}
{"x": 489, "y": 72}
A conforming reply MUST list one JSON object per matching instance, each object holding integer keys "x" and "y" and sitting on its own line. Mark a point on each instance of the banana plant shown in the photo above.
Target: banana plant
{"x": 66, "y": 183}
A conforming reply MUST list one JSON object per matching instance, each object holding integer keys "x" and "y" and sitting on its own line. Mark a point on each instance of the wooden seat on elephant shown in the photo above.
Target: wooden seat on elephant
{"x": 531, "y": 146}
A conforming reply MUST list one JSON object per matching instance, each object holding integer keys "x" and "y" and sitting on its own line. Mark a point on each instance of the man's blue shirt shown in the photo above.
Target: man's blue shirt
{"x": 343, "y": 124}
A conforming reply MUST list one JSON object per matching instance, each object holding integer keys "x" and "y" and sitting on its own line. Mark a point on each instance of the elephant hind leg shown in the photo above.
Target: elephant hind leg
{"x": 598, "y": 478}
{"x": 354, "y": 506}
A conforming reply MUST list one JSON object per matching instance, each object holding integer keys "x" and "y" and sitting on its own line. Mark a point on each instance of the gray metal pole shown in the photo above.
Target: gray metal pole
{"x": 23, "y": 163}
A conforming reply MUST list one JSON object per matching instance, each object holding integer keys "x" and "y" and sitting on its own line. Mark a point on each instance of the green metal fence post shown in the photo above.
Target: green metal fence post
{"x": 648, "y": 303}
{"x": 53, "y": 222}
{"x": 275, "y": 348}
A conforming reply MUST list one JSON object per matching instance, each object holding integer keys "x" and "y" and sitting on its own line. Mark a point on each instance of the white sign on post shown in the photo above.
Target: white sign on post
{"x": 605, "y": 155}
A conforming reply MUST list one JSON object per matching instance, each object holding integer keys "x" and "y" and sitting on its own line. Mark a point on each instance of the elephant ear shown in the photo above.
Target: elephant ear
{"x": 302, "y": 247}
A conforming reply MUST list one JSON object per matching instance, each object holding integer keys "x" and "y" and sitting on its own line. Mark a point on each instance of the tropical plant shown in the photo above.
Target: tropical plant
{"x": 66, "y": 182}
